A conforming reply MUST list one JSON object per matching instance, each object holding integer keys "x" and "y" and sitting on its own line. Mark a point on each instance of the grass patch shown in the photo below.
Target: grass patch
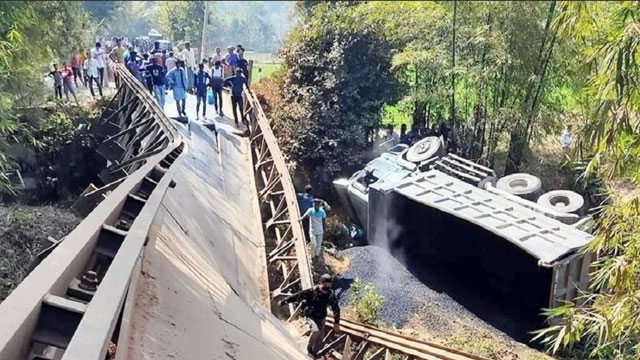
{"x": 268, "y": 62}
{"x": 267, "y": 70}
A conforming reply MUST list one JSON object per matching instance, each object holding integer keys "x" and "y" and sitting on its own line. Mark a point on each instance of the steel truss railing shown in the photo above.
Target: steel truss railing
{"x": 131, "y": 129}
{"x": 288, "y": 266}
{"x": 71, "y": 304}
{"x": 289, "y": 269}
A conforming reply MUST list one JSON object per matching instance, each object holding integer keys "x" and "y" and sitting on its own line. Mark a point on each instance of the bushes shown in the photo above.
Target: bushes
{"x": 337, "y": 233}
{"x": 365, "y": 301}
{"x": 336, "y": 76}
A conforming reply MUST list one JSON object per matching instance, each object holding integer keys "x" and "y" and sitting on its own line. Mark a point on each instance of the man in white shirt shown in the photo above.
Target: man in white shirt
{"x": 189, "y": 62}
{"x": 91, "y": 68}
{"x": 170, "y": 63}
{"x": 98, "y": 54}
{"x": 391, "y": 138}
{"x": 217, "y": 80}
{"x": 317, "y": 216}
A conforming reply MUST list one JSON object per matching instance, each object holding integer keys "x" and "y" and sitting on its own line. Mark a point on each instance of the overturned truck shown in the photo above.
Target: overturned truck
{"x": 428, "y": 207}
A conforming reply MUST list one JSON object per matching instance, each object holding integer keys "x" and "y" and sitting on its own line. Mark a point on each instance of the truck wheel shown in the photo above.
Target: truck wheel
{"x": 521, "y": 184}
{"x": 564, "y": 201}
{"x": 425, "y": 149}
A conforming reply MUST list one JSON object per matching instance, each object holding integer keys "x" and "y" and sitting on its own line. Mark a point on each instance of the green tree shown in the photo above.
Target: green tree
{"x": 32, "y": 35}
{"x": 606, "y": 325}
{"x": 130, "y": 18}
{"x": 495, "y": 66}
{"x": 181, "y": 20}
{"x": 336, "y": 78}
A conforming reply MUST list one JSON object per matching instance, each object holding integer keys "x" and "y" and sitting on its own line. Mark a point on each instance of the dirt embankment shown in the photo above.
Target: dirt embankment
{"x": 23, "y": 234}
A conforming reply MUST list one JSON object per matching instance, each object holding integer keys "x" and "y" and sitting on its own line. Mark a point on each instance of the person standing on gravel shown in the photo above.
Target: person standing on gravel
{"x": 317, "y": 217}
{"x": 316, "y": 300}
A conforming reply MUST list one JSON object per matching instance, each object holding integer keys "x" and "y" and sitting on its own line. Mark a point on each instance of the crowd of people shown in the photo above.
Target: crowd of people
{"x": 160, "y": 70}
{"x": 87, "y": 68}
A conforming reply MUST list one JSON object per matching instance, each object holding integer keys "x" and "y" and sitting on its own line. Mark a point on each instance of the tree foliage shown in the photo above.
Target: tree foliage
{"x": 181, "y": 20}
{"x": 32, "y": 35}
{"x": 608, "y": 325}
{"x": 229, "y": 23}
{"x": 130, "y": 19}
{"x": 336, "y": 78}
{"x": 508, "y": 71}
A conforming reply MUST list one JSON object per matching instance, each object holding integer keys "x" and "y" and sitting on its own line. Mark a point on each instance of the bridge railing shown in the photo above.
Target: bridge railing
{"x": 288, "y": 264}
{"x": 70, "y": 305}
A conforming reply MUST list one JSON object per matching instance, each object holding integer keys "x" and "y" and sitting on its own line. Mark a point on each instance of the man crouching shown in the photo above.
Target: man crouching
{"x": 314, "y": 309}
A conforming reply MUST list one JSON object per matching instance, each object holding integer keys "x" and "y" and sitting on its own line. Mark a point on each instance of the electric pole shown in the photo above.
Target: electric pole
{"x": 205, "y": 24}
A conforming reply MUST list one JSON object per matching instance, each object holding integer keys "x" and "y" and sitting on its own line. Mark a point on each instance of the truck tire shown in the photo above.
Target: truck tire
{"x": 563, "y": 201}
{"x": 523, "y": 185}
{"x": 425, "y": 149}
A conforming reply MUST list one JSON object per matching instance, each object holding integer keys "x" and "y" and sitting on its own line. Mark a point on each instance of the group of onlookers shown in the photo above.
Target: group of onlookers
{"x": 86, "y": 68}
{"x": 162, "y": 70}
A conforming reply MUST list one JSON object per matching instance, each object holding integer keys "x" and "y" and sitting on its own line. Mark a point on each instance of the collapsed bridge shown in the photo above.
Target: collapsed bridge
{"x": 182, "y": 252}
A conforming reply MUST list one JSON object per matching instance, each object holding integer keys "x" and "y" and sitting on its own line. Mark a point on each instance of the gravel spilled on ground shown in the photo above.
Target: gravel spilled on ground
{"x": 405, "y": 295}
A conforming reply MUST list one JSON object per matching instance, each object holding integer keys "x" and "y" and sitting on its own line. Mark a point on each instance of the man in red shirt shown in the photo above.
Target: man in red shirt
{"x": 67, "y": 82}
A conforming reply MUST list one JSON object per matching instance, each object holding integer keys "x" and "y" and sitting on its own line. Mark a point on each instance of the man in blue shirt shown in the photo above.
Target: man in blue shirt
{"x": 232, "y": 59}
{"x": 305, "y": 200}
{"x": 134, "y": 66}
{"x": 201, "y": 81}
{"x": 157, "y": 79}
{"x": 236, "y": 83}
{"x": 178, "y": 80}
{"x": 317, "y": 217}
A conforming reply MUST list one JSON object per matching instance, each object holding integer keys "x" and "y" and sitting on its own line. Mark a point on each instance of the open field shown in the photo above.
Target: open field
{"x": 269, "y": 63}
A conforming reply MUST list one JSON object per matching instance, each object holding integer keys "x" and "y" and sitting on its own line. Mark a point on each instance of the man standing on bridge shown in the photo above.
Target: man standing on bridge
{"x": 237, "y": 83}
{"x": 157, "y": 79}
{"x": 316, "y": 300}
{"x": 178, "y": 81}
{"x": 189, "y": 58}
{"x": 201, "y": 81}
{"x": 217, "y": 79}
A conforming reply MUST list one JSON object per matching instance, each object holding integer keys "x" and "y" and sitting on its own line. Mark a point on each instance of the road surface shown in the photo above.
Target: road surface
{"x": 203, "y": 289}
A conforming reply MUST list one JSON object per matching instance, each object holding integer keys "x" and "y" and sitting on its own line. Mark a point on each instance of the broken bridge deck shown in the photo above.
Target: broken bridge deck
{"x": 202, "y": 292}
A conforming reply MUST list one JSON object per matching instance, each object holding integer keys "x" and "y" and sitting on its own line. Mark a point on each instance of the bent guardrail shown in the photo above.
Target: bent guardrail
{"x": 287, "y": 261}
{"x": 69, "y": 306}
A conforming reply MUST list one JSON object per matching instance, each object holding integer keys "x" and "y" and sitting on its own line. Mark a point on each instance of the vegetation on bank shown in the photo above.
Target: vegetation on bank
{"x": 32, "y": 36}
{"x": 502, "y": 75}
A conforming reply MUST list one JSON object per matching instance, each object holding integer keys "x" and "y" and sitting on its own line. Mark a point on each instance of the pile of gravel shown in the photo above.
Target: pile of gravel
{"x": 405, "y": 295}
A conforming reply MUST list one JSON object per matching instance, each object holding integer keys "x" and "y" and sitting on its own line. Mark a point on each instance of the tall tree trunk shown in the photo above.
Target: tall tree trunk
{"x": 453, "y": 66}
{"x": 535, "y": 103}
{"x": 519, "y": 134}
